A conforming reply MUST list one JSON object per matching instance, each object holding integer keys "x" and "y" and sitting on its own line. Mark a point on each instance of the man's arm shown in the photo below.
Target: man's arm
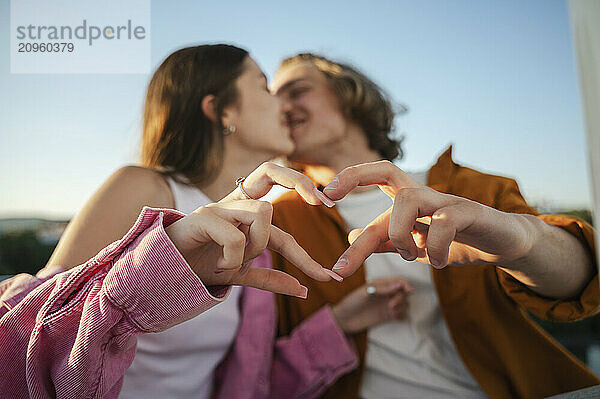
{"x": 557, "y": 265}
{"x": 443, "y": 229}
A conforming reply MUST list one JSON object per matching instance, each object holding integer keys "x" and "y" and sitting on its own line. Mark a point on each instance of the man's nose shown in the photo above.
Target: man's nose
{"x": 286, "y": 104}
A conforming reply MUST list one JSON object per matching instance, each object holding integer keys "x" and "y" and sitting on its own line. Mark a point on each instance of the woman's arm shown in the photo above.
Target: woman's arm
{"x": 311, "y": 358}
{"x": 73, "y": 335}
{"x": 315, "y": 354}
{"x": 110, "y": 212}
{"x": 318, "y": 351}
{"x": 301, "y": 365}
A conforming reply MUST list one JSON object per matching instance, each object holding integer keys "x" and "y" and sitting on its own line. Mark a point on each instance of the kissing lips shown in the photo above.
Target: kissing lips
{"x": 295, "y": 123}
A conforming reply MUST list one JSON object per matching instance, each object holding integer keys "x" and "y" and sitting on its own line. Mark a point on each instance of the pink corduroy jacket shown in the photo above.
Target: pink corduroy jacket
{"x": 72, "y": 334}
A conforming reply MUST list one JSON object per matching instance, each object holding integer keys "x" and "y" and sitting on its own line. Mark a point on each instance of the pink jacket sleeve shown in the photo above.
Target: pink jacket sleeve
{"x": 72, "y": 334}
{"x": 301, "y": 365}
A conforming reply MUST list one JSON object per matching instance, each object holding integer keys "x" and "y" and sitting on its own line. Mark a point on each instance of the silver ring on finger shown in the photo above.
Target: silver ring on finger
{"x": 240, "y": 183}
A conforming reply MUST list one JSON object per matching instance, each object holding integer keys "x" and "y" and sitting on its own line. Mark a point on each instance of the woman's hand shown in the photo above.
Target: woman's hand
{"x": 376, "y": 302}
{"x": 220, "y": 240}
{"x": 428, "y": 226}
{"x": 262, "y": 179}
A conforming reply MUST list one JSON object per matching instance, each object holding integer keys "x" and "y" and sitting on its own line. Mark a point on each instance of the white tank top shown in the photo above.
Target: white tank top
{"x": 180, "y": 362}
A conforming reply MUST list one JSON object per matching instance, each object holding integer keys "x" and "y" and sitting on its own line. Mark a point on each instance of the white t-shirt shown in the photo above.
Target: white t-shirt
{"x": 414, "y": 357}
{"x": 180, "y": 362}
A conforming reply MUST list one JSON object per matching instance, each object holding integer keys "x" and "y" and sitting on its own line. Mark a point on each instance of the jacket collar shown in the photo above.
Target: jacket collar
{"x": 331, "y": 213}
{"x": 442, "y": 174}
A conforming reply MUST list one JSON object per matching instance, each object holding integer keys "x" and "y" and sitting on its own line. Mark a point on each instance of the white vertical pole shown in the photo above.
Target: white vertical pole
{"x": 585, "y": 24}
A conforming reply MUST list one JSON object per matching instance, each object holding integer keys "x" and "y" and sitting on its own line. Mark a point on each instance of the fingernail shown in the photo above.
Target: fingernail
{"x": 406, "y": 254}
{"x": 303, "y": 292}
{"x": 324, "y": 199}
{"x": 434, "y": 262}
{"x": 334, "y": 275}
{"x": 333, "y": 184}
{"x": 340, "y": 264}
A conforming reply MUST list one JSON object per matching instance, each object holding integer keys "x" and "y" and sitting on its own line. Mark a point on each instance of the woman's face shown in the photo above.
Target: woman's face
{"x": 257, "y": 116}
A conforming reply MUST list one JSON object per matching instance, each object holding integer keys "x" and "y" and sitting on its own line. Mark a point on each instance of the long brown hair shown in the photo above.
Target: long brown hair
{"x": 360, "y": 99}
{"x": 178, "y": 138}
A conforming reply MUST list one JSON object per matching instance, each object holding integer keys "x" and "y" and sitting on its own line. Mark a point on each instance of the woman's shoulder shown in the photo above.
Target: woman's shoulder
{"x": 136, "y": 173}
{"x": 139, "y": 181}
{"x": 110, "y": 212}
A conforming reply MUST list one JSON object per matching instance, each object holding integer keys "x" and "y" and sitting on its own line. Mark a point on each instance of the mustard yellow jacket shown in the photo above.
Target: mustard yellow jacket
{"x": 484, "y": 307}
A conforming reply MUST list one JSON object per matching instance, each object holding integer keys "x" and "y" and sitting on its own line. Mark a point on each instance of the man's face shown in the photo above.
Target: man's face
{"x": 312, "y": 111}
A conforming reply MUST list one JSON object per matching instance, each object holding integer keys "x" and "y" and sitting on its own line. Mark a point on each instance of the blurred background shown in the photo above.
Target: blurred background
{"x": 497, "y": 79}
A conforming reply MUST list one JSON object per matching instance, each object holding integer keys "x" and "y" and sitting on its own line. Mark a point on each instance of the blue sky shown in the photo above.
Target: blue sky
{"x": 495, "y": 78}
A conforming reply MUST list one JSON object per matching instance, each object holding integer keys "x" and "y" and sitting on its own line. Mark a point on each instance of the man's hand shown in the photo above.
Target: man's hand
{"x": 362, "y": 309}
{"x": 428, "y": 226}
{"x": 442, "y": 229}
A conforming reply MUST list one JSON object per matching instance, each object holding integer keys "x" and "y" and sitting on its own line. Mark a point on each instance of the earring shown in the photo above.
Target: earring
{"x": 229, "y": 130}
